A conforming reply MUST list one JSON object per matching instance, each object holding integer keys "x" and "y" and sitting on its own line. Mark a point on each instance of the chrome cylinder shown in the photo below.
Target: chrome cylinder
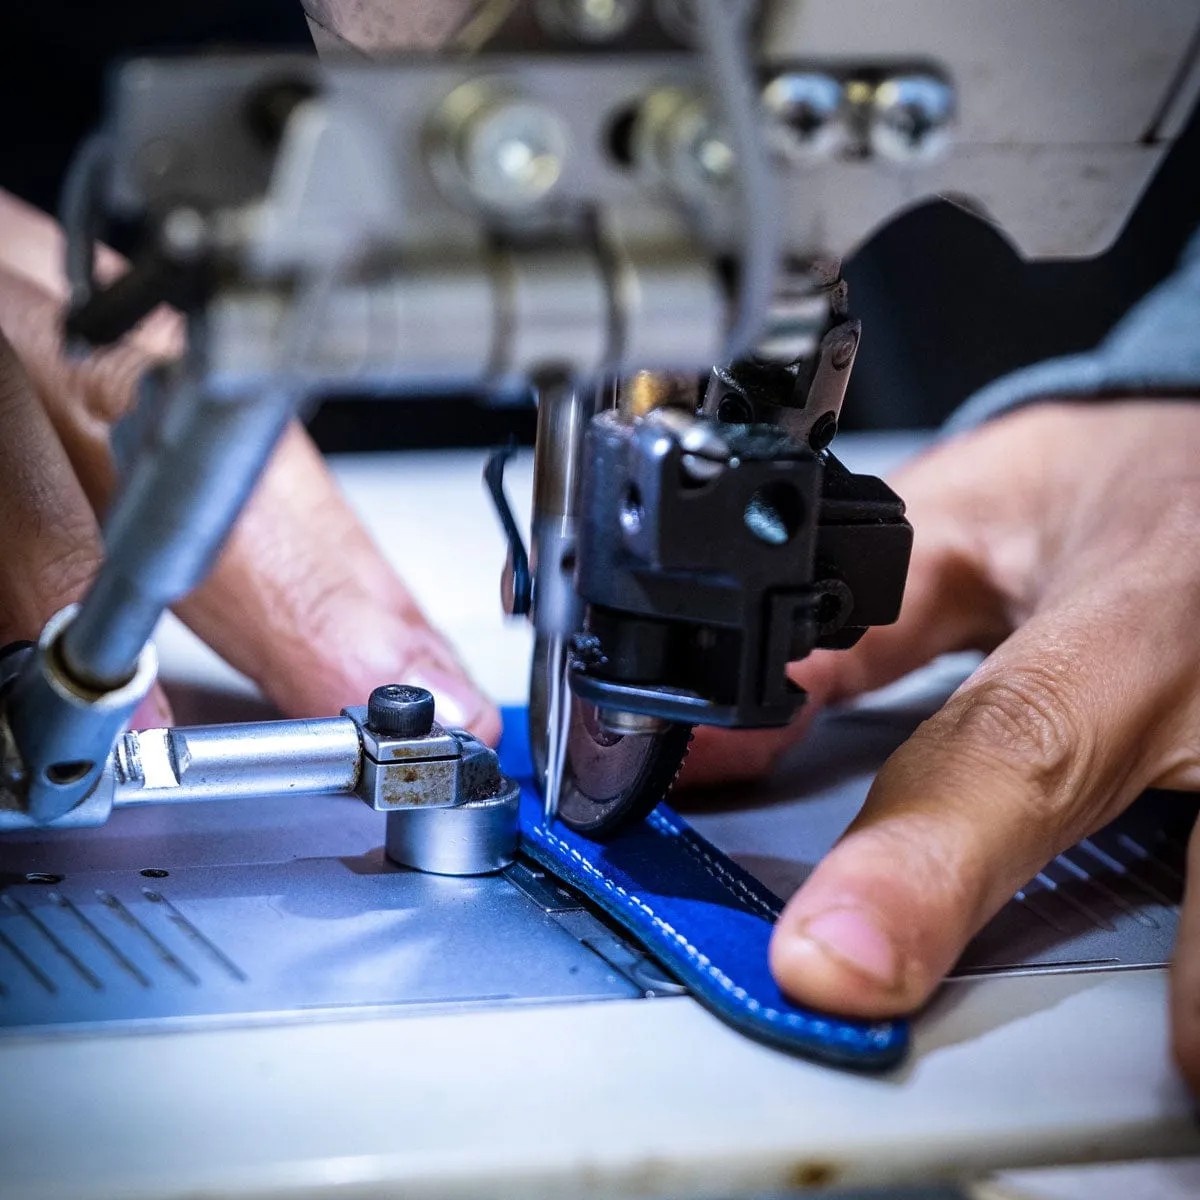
{"x": 237, "y": 762}
{"x": 470, "y": 839}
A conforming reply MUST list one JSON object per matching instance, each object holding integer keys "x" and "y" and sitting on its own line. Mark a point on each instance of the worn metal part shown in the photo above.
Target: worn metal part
{"x": 424, "y": 771}
{"x": 474, "y": 838}
{"x": 405, "y": 772}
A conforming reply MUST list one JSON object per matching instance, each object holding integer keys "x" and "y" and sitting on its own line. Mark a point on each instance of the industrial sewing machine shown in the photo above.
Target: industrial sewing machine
{"x": 636, "y": 209}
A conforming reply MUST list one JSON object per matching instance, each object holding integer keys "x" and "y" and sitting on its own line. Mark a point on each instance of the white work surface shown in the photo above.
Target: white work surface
{"x": 609, "y": 1098}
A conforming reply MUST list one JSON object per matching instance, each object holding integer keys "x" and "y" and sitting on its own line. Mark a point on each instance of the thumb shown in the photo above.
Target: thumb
{"x": 1042, "y": 746}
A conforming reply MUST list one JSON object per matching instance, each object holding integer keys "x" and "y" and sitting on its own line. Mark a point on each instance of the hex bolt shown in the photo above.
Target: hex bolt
{"x": 909, "y": 117}
{"x": 400, "y": 710}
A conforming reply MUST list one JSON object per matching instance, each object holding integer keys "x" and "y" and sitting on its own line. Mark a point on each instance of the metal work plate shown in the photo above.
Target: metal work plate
{"x": 280, "y": 940}
{"x": 1110, "y": 902}
{"x": 285, "y": 909}
{"x": 217, "y": 913}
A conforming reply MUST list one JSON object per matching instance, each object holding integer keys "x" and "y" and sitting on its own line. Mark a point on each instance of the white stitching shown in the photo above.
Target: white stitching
{"x": 714, "y": 868}
{"x": 814, "y": 1025}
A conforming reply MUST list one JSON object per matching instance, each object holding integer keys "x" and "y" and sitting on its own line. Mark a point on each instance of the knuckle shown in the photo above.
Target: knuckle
{"x": 1020, "y": 724}
{"x": 67, "y": 576}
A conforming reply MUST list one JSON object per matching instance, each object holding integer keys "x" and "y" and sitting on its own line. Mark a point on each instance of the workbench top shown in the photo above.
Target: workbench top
{"x": 621, "y": 1097}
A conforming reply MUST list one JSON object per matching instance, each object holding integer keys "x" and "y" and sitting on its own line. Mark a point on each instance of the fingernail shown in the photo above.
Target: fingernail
{"x": 457, "y": 701}
{"x": 849, "y": 935}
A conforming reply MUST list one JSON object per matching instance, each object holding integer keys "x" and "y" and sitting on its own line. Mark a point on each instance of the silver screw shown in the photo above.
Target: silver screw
{"x": 806, "y": 111}
{"x": 910, "y": 117}
{"x": 588, "y": 20}
{"x": 511, "y": 152}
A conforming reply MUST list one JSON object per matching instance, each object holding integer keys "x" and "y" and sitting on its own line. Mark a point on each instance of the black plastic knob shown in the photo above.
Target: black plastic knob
{"x": 399, "y": 710}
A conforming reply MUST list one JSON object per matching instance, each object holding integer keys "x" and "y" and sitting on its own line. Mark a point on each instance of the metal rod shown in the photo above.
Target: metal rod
{"x": 564, "y": 410}
{"x": 169, "y": 523}
{"x": 227, "y": 762}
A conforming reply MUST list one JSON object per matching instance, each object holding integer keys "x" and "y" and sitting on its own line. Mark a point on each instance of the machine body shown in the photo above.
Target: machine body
{"x": 642, "y": 220}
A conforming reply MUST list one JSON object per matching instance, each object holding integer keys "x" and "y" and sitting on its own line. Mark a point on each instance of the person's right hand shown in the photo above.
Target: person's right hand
{"x": 300, "y": 600}
{"x": 1064, "y": 539}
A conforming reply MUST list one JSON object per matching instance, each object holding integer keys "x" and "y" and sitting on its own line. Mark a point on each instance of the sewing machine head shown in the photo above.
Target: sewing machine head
{"x": 638, "y": 209}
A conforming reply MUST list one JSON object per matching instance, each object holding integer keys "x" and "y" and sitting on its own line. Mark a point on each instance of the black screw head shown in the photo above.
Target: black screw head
{"x": 822, "y": 431}
{"x": 399, "y": 710}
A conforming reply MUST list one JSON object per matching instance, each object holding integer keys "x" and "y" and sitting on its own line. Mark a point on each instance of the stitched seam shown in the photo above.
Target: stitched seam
{"x": 815, "y": 1025}
{"x": 718, "y": 871}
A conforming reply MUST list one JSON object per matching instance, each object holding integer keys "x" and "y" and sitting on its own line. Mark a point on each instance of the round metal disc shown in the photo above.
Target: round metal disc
{"x": 609, "y": 779}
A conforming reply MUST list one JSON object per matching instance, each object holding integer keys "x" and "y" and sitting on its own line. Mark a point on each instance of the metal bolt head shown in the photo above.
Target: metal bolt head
{"x": 588, "y": 20}
{"x": 511, "y": 153}
{"x": 807, "y": 114}
{"x": 910, "y": 117}
{"x": 823, "y": 431}
{"x": 400, "y": 710}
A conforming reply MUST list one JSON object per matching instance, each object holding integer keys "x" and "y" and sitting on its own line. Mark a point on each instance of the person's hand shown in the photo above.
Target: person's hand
{"x": 301, "y": 599}
{"x": 1065, "y": 540}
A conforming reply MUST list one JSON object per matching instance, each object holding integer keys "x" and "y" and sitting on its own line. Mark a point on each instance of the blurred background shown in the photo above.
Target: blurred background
{"x": 946, "y": 304}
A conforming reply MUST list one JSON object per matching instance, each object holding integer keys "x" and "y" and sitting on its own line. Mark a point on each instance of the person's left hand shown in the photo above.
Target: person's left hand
{"x": 300, "y": 600}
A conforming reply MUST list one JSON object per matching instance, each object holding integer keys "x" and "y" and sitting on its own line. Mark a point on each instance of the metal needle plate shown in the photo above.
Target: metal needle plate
{"x": 153, "y": 921}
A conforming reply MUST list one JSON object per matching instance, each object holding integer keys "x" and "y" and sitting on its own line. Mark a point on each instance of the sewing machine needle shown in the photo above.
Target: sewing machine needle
{"x": 558, "y": 721}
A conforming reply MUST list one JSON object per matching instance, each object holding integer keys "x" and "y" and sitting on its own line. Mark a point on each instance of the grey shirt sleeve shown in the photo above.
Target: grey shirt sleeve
{"x": 1155, "y": 348}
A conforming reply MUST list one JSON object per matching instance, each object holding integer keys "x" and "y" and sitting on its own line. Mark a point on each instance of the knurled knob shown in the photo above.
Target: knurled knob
{"x": 400, "y": 710}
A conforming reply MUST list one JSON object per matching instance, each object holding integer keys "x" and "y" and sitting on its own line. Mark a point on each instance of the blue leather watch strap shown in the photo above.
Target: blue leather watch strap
{"x": 700, "y": 915}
